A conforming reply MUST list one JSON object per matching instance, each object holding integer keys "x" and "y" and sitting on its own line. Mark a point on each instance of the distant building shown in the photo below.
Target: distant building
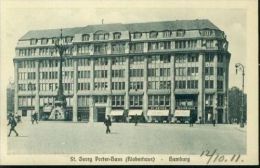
{"x": 158, "y": 70}
{"x": 10, "y": 97}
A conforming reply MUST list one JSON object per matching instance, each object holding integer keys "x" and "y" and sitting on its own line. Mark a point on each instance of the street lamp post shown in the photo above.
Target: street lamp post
{"x": 241, "y": 68}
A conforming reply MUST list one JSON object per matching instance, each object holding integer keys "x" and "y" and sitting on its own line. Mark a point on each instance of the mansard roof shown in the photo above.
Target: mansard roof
{"x": 133, "y": 27}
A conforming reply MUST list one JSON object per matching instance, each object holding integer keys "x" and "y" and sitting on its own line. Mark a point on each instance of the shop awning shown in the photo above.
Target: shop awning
{"x": 116, "y": 112}
{"x": 182, "y": 113}
{"x": 158, "y": 113}
{"x": 135, "y": 112}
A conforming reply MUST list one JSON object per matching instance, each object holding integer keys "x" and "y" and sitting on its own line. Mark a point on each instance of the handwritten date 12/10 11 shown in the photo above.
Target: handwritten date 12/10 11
{"x": 214, "y": 157}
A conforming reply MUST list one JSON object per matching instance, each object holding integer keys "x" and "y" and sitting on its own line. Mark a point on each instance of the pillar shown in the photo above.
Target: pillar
{"x": 109, "y": 77}
{"x": 16, "y": 87}
{"x": 127, "y": 80}
{"x": 75, "y": 97}
{"x": 91, "y": 109}
{"x": 201, "y": 83}
{"x": 215, "y": 97}
{"x": 145, "y": 96}
{"x": 37, "y": 97}
{"x": 91, "y": 101}
{"x": 172, "y": 85}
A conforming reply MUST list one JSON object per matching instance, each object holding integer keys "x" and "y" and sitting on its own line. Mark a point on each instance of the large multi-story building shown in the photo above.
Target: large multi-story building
{"x": 157, "y": 69}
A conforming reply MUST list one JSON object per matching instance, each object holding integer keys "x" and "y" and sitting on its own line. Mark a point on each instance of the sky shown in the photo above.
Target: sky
{"x": 19, "y": 19}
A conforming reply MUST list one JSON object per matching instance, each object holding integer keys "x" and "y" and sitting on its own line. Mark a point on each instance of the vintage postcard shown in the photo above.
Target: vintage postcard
{"x": 129, "y": 82}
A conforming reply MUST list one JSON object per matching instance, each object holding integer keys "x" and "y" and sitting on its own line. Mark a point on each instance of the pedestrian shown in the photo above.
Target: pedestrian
{"x": 36, "y": 117}
{"x": 32, "y": 117}
{"x": 107, "y": 122}
{"x": 191, "y": 121}
{"x": 136, "y": 120}
{"x": 13, "y": 124}
{"x": 214, "y": 122}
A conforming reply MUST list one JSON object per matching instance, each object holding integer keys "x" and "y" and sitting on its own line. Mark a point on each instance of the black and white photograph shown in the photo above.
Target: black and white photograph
{"x": 129, "y": 82}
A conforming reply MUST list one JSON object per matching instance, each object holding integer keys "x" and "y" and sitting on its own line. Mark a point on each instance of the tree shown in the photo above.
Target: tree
{"x": 235, "y": 104}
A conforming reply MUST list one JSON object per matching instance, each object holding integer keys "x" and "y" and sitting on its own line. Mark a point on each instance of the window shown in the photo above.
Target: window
{"x": 167, "y": 33}
{"x": 220, "y": 71}
{"x": 120, "y": 73}
{"x": 220, "y": 58}
{"x": 193, "y": 71}
{"x": 209, "y": 57}
{"x": 137, "y": 60}
{"x": 116, "y": 35}
{"x": 158, "y": 101}
{"x": 118, "y": 100}
{"x": 136, "y": 47}
{"x": 165, "y": 58}
{"x": 100, "y": 85}
{"x": 68, "y": 39}
{"x": 83, "y": 74}
{"x": 193, "y": 58}
{"x": 209, "y": 84}
{"x": 136, "y": 72}
{"x": 101, "y": 36}
{"x": 164, "y": 71}
{"x": 192, "y": 84}
{"x": 180, "y": 33}
{"x": 137, "y": 35}
{"x": 83, "y": 49}
{"x": 118, "y": 48}
{"x": 180, "y": 71}
{"x": 209, "y": 99}
{"x": 118, "y": 85}
{"x": 100, "y": 99}
{"x": 33, "y": 41}
{"x": 100, "y": 73}
{"x": 83, "y": 86}
{"x": 220, "y": 84}
{"x": 83, "y": 62}
{"x": 85, "y": 37}
{"x": 136, "y": 100}
{"x": 180, "y": 44}
{"x": 44, "y": 41}
{"x": 206, "y": 32}
{"x": 209, "y": 71}
{"x": 180, "y": 58}
{"x": 100, "y": 48}
{"x": 191, "y": 43}
{"x": 220, "y": 100}
{"x": 165, "y": 85}
{"x": 100, "y": 61}
{"x": 180, "y": 84}
{"x": 118, "y": 60}
{"x": 153, "y": 34}
{"x": 136, "y": 85}
{"x": 153, "y": 72}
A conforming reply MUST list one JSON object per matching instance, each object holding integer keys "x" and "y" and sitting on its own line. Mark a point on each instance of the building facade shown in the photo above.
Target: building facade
{"x": 160, "y": 70}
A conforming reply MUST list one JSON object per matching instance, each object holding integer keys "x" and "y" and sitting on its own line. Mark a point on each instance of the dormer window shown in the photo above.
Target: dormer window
{"x": 33, "y": 41}
{"x": 137, "y": 35}
{"x": 55, "y": 40}
{"x": 206, "y": 32}
{"x": 101, "y": 36}
{"x": 44, "y": 41}
{"x": 180, "y": 33}
{"x": 68, "y": 39}
{"x": 167, "y": 33}
{"x": 153, "y": 34}
{"x": 85, "y": 37}
{"x": 117, "y": 35}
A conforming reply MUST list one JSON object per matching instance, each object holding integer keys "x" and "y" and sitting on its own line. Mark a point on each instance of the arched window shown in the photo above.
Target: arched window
{"x": 117, "y": 35}
{"x": 85, "y": 37}
{"x": 137, "y": 35}
{"x": 180, "y": 33}
{"x": 101, "y": 35}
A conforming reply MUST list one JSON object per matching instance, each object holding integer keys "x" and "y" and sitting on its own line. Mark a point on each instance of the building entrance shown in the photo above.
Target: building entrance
{"x": 220, "y": 116}
{"x": 101, "y": 114}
